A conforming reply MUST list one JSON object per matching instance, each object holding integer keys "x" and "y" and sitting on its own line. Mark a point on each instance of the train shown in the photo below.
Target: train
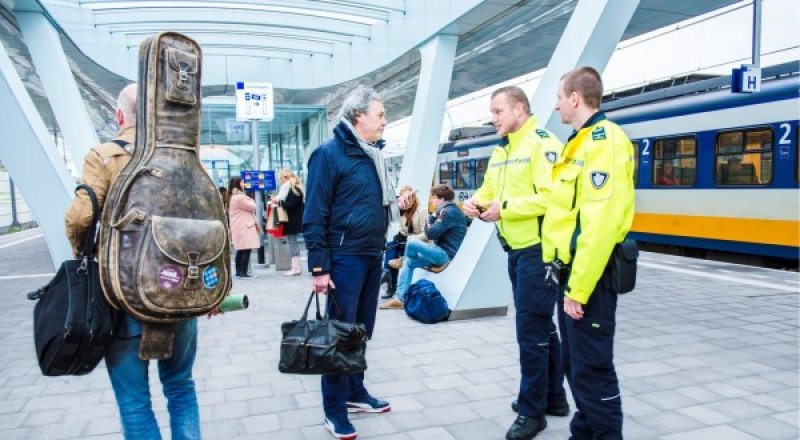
{"x": 717, "y": 173}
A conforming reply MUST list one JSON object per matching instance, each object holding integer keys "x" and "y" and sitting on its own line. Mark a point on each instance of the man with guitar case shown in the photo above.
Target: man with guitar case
{"x": 163, "y": 247}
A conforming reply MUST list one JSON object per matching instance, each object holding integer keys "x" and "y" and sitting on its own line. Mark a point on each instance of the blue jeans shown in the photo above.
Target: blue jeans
{"x": 357, "y": 279}
{"x": 129, "y": 379}
{"x": 539, "y": 347}
{"x": 418, "y": 254}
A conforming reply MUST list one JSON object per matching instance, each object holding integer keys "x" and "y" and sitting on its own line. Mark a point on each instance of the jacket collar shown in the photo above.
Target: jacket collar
{"x": 343, "y": 133}
{"x": 531, "y": 123}
{"x": 594, "y": 119}
{"x": 127, "y": 134}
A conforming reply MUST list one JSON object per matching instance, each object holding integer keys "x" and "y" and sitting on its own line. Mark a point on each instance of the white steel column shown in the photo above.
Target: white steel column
{"x": 426, "y": 119}
{"x": 590, "y": 37}
{"x": 476, "y": 282}
{"x": 30, "y": 155}
{"x": 62, "y": 91}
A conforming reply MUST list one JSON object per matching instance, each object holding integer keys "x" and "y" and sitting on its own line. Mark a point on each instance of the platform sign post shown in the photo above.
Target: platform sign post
{"x": 255, "y": 102}
{"x": 746, "y": 79}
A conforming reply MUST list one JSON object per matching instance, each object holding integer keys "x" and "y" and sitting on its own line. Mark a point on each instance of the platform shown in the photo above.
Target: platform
{"x": 704, "y": 350}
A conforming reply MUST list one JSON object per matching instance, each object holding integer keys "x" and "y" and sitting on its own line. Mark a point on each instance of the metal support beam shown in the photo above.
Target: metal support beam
{"x": 426, "y": 119}
{"x": 31, "y": 157}
{"x": 62, "y": 91}
{"x": 756, "y": 57}
{"x": 590, "y": 37}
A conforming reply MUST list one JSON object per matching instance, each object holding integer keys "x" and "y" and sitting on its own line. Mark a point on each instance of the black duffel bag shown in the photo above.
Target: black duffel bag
{"x": 72, "y": 321}
{"x": 623, "y": 266}
{"x": 324, "y": 345}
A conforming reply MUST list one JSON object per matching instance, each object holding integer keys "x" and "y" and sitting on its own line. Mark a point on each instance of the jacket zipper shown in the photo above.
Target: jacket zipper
{"x": 346, "y": 225}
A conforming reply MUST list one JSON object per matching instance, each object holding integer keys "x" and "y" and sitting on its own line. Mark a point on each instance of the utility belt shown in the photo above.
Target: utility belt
{"x": 620, "y": 271}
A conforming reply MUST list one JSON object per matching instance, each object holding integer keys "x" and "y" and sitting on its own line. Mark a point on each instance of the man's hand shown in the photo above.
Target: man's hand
{"x": 404, "y": 201}
{"x": 322, "y": 282}
{"x": 470, "y": 208}
{"x": 573, "y": 308}
{"x": 492, "y": 214}
{"x": 214, "y": 312}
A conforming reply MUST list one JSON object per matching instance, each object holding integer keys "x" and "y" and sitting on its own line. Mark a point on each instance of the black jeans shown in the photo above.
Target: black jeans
{"x": 242, "y": 261}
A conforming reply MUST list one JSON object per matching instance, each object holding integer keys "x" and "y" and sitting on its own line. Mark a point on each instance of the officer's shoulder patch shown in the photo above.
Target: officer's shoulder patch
{"x": 551, "y": 156}
{"x": 599, "y": 134}
{"x": 599, "y": 178}
{"x": 542, "y": 133}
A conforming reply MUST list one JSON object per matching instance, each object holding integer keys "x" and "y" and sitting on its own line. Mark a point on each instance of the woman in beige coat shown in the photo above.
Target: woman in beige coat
{"x": 244, "y": 229}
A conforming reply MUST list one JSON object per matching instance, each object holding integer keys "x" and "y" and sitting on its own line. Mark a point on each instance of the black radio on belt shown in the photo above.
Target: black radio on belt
{"x": 557, "y": 273}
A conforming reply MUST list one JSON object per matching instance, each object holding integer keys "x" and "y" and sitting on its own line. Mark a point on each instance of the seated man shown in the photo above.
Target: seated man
{"x": 445, "y": 229}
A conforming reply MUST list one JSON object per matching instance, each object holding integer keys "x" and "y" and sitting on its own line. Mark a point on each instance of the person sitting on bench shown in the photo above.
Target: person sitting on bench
{"x": 445, "y": 229}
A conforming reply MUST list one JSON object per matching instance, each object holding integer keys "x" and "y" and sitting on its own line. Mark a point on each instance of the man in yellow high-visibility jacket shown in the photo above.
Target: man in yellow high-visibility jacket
{"x": 513, "y": 196}
{"x": 591, "y": 209}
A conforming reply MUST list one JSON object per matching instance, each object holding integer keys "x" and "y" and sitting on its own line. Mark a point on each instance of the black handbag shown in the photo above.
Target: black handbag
{"x": 324, "y": 345}
{"x": 623, "y": 266}
{"x": 72, "y": 322}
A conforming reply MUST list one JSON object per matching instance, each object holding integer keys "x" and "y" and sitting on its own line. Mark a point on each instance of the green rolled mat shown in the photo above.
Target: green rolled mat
{"x": 233, "y": 303}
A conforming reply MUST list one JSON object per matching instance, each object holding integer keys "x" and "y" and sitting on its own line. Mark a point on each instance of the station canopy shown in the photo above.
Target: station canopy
{"x": 315, "y": 51}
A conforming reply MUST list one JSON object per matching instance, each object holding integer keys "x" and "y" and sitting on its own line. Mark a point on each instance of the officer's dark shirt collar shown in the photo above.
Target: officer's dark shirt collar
{"x": 594, "y": 119}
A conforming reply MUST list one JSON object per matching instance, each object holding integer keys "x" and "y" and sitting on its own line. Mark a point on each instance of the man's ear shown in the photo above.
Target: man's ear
{"x": 119, "y": 117}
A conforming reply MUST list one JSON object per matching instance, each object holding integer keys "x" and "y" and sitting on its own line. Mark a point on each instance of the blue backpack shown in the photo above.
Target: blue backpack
{"x": 425, "y": 304}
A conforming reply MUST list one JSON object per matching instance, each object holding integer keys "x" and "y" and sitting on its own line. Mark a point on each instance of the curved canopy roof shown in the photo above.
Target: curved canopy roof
{"x": 314, "y": 51}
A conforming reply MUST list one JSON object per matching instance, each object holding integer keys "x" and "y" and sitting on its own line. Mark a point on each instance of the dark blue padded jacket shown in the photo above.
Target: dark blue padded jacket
{"x": 344, "y": 212}
{"x": 448, "y": 229}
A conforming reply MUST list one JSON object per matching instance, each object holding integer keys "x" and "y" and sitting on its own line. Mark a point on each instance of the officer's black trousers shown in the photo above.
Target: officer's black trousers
{"x": 539, "y": 347}
{"x": 588, "y": 361}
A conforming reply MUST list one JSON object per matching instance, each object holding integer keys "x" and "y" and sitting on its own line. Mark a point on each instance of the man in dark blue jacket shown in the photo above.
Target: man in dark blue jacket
{"x": 446, "y": 230}
{"x": 349, "y": 204}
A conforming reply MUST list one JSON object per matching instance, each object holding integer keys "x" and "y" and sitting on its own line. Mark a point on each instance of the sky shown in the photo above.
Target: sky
{"x": 713, "y": 43}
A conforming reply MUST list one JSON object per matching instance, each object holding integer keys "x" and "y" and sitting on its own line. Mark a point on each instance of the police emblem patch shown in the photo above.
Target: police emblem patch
{"x": 551, "y": 156}
{"x": 542, "y": 134}
{"x": 598, "y": 134}
{"x": 599, "y": 178}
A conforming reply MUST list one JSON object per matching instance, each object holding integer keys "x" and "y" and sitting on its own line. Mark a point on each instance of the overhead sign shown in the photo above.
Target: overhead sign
{"x": 254, "y": 101}
{"x": 746, "y": 79}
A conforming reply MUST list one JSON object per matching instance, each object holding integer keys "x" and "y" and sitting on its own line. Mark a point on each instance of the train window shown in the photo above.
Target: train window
{"x": 744, "y": 157}
{"x": 463, "y": 175}
{"x": 636, "y": 163}
{"x": 480, "y": 171}
{"x": 675, "y": 161}
{"x": 446, "y": 173}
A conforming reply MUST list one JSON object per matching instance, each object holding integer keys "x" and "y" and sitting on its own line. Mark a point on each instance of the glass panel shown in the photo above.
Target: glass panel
{"x": 675, "y": 162}
{"x": 744, "y": 157}
{"x": 446, "y": 173}
{"x": 480, "y": 170}
{"x": 729, "y": 143}
{"x": 463, "y": 177}
{"x": 759, "y": 140}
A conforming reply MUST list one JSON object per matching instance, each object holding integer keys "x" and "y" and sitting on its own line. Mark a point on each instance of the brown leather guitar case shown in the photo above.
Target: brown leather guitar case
{"x": 164, "y": 247}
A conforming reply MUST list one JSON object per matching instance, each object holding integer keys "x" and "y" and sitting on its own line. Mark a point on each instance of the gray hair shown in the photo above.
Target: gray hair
{"x": 126, "y": 101}
{"x": 358, "y": 102}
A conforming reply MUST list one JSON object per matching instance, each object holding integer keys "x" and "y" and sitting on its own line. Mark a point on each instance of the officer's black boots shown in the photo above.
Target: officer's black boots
{"x": 526, "y": 428}
{"x": 556, "y": 406}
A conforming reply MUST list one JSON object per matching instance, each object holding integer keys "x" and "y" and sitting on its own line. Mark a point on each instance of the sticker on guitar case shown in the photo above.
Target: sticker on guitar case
{"x": 169, "y": 276}
{"x": 210, "y": 277}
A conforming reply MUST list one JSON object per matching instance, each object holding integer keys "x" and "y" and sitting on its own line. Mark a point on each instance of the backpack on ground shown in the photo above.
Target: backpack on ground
{"x": 165, "y": 252}
{"x": 425, "y": 303}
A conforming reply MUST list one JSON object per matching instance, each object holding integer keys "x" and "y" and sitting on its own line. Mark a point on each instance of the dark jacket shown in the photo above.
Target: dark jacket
{"x": 344, "y": 212}
{"x": 447, "y": 229}
{"x": 294, "y": 209}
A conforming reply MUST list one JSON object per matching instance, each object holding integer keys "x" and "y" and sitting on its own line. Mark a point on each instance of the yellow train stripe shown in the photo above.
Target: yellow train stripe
{"x": 777, "y": 232}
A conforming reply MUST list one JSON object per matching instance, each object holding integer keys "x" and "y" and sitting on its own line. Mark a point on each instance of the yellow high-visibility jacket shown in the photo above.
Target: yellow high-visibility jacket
{"x": 592, "y": 184}
{"x": 518, "y": 176}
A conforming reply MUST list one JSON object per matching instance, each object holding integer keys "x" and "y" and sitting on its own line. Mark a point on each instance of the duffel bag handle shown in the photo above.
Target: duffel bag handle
{"x": 88, "y": 245}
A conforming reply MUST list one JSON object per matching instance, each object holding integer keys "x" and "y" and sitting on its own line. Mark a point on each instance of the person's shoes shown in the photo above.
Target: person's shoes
{"x": 341, "y": 428}
{"x": 291, "y": 273}
{"x": 396, "y": 263}
{"x": 437, "y": 269}
{"x": 370, "y": 405}
{"x": 558, "y": 407}
{"x": 246, "y": 276}
{"x": 526, "y": 428}
{"x": 393, "y": 303}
